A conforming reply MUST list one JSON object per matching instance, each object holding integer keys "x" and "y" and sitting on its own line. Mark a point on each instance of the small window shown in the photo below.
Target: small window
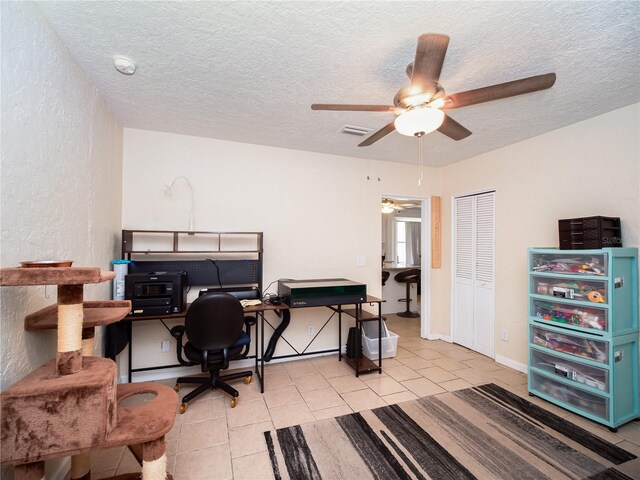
{"x": 401, "y": 241}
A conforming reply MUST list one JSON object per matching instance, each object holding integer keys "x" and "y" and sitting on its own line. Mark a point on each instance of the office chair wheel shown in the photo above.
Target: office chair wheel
{"x": 234, "y": 402}
{"x": 247, "y": 380}
{"x": 177, "y": 387}
{"x": 183, "y": 407}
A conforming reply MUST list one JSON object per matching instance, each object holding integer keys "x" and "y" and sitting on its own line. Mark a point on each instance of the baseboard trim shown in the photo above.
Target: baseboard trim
{"x": 439, "y": 336}
{"x": 248, "y": 363}
{"x": 507, "y": 362}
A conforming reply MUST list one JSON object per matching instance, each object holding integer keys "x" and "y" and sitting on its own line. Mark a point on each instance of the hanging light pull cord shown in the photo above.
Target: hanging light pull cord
{"x": 420, "y": 160}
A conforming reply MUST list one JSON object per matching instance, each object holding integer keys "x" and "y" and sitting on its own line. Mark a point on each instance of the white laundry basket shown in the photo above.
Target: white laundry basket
{"x": 370, "y": 341}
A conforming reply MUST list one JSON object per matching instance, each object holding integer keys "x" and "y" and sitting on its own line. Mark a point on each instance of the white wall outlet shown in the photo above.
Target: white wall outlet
{"x": 165, "y": 345}
{"x": 361, "y": 261}
{"x": 311, "y": 330}
{"x": 504, "y": 335}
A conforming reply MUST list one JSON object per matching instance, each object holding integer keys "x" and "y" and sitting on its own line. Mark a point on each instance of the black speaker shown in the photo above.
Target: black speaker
{"x": 351, "y": 343}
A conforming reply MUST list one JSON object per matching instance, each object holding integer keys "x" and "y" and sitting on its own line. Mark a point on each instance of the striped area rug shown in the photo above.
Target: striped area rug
{"x": 484, "y": 432}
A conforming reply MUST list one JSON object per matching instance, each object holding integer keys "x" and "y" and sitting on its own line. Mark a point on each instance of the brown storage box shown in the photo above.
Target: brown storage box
{"x": 47, "y": 415}
{"x": 589, "y": 233}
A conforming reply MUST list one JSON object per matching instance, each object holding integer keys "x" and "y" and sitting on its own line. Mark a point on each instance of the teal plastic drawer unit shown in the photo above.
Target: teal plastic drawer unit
{"x": 583, "y": 331}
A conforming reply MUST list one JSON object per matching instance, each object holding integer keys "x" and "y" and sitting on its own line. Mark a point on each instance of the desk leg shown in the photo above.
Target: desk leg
{"x": 379, "y": 338}
{"x": 261, "y": 376}
{"x": 358, "y": 341}
{"x": 339, "y": 333}
{"x": 130, "y": 346}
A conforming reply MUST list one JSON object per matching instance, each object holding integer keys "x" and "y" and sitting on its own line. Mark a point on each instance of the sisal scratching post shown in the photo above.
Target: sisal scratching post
{"x": 71, "y": 346}
{"x": 154, "y": 460}
{"x": 70, "y": 315}
{"x": 88, "y": 341}
{"x": 81, "y": 464}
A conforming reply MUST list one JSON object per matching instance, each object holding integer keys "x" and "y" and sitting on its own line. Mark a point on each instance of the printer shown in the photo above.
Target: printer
{"x": 156, "y": 293}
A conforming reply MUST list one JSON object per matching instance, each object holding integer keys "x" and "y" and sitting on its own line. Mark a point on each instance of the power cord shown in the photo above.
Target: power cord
{"x": 272, "y": 298}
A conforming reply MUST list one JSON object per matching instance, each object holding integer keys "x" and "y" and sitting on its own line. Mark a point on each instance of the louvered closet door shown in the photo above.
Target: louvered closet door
{"x": 473, "y": 320}
{"x": 463, "y": 275}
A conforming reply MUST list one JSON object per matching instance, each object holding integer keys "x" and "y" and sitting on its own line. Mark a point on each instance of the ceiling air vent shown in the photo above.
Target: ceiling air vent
{"x": 353, "y": 130}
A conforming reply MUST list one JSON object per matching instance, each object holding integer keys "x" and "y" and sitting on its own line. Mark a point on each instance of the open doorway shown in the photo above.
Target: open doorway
{"x": 405, "y": 253}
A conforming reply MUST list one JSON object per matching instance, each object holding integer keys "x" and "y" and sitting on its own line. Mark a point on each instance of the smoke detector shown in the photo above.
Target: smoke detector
{"x": 124, "y": 65}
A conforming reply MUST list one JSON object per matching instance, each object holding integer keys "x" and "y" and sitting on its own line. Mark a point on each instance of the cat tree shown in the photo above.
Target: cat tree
{"x": 72, "y": 404}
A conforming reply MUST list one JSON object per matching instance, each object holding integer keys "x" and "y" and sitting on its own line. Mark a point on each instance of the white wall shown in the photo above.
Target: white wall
{"x": 61, "y": 161}
{"x": 318, "y": 212}
{"x": 590, "y": 168}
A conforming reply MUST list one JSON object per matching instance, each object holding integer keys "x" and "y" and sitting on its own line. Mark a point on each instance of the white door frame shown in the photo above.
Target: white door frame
{"x": 453, "y": 254}
{"x": 425, "y": 259}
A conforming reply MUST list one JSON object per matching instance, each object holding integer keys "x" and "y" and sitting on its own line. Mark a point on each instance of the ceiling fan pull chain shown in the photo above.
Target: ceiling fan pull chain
{"x": 420, "y": 159}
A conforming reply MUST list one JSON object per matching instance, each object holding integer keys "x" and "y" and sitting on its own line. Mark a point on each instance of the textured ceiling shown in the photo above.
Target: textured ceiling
{"x": 249, "y": 71}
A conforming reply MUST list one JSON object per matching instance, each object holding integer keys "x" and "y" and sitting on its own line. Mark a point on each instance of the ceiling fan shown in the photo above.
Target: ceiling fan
{"x": 419, "y": 107}
{"x": 389, "y": 206}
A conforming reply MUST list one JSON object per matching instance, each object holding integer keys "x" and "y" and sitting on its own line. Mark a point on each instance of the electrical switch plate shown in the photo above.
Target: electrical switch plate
{"x": 361, "y": 261}
{"x": 165, "y": 345}
{"x": 504, "y": 335}
{"x": 311, "y": 330}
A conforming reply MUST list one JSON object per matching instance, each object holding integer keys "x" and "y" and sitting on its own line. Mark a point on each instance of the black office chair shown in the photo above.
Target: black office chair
{"x": 214, "y": 327}
{"x": 408, "y": 277}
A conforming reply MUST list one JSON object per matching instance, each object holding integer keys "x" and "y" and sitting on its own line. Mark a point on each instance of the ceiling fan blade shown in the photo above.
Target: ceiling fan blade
{"x": 386, "y": 130}
{"x": 432, "y": 48}
{"x": 501, "y": 90}
{"x": 453, "y": 129}
{"x": 352, "y": 108}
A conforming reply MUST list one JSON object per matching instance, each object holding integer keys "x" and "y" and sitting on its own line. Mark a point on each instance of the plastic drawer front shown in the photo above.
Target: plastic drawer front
{"x": 578, "y": 346}
{"x": 557, "y": 312}
{"x": 574, "y": 398}
{"x": 595, "y": 291}
{"x": 577, "y": 372}
{"x": 568, "y": 263}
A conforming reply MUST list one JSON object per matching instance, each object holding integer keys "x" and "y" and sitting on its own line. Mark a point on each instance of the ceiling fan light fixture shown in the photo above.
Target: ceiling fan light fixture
{"x": 419, "y": 120}
{"x": 417, "y": 99}
{"x": 387, "y": 206}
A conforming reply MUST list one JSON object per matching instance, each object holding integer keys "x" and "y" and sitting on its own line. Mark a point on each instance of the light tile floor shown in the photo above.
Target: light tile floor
{"x": 213, "y": 441}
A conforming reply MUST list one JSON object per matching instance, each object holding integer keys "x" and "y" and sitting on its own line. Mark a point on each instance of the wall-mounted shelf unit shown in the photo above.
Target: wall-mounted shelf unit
{"x": 232, "y": 258}
{"x": 583, "y": 331}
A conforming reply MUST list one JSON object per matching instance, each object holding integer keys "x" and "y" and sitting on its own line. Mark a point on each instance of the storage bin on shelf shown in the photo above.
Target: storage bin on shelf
{"x": 589, "y": 232}
{"x": 370, "y": 341}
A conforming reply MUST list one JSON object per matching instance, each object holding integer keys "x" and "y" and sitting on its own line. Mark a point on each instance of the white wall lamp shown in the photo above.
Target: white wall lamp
{"x": 169, "y": 191}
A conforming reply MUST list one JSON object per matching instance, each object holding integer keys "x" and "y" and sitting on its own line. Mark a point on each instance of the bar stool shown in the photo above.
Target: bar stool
{"x": 385, "y": 276}
{"x": 408, "y": 277}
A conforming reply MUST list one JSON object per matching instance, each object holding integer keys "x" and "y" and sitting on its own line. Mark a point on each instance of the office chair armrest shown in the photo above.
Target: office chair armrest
{"x": 248, "y": 323}
{"x": 225, "y": 358}
{"x": 177, "y": 332}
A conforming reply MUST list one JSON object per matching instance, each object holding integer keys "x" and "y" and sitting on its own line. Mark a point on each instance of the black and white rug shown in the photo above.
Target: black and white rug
{"x": 484, "y": 432}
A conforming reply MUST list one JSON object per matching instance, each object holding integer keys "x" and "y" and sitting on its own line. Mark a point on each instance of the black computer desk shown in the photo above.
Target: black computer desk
{"x": 361, "y": 365}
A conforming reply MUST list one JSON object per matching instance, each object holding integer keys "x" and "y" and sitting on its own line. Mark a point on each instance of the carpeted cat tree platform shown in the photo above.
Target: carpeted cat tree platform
{"x": 72, "y": 405}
